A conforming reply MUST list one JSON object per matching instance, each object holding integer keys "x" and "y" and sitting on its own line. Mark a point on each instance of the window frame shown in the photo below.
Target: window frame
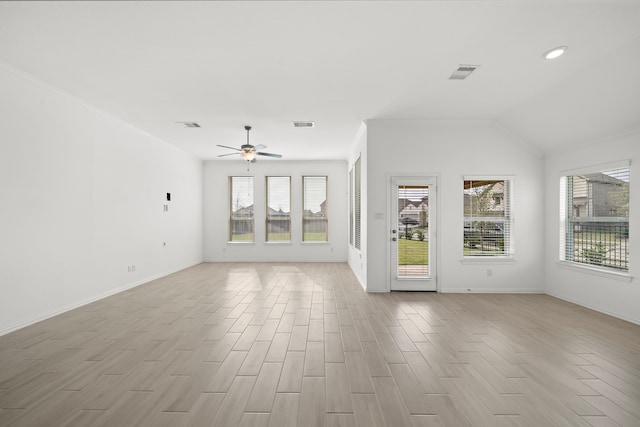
{"x": 357, "y": 209}
{"x": 567, "y": 216}
{"x": 266, "y": 217}
{"x": 251, "y": 217}
{"x": 325, "y": 218}
{"x": 507, "y": 199}
{"x": 351, "y": 204}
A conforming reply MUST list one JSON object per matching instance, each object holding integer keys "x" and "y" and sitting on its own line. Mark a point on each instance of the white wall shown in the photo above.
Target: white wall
{"x": 358, "y": 257}
{"x": 82, "y": 201}
{"x": 606, "y": 294}
{"x": 216, "y": 212}
{"x": 450, "y": 150}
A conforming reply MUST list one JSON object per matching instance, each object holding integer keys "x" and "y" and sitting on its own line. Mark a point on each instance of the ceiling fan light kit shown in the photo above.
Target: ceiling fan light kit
{"x": 247, "y": 151}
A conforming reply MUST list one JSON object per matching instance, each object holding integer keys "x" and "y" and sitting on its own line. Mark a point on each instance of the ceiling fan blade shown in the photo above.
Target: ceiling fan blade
{"x": 228, "y": 154}
{"x": 230, "y": 148}
{"x": 269, "y": 155}
{"x": 260, "y": 147}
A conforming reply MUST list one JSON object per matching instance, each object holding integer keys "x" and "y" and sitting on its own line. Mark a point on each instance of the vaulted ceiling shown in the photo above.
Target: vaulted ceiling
{"x": 337, "y": 63}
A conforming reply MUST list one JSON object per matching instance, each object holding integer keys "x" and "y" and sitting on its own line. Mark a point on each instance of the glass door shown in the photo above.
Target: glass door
{"x": 412, "y": 232}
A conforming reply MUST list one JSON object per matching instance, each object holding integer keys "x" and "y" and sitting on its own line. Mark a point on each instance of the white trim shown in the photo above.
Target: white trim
{"x": 492, "y": 291}
{"x": 433, "y": 180}
{"x": 585, "y": 269}
{"x": 487, "y": 259}
{"x": 576, "y": 146}
{"x": 596, "y": 168}
{"x": 488, "y": 178}
{"x": 243, "y": 260}
{"x": 595, "y": 308}
{"x": 69, "y": 307}
{"x": 502, "y": 259}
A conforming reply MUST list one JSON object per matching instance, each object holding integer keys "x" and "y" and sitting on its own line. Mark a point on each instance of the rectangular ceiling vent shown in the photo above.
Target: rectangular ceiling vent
{"x": 463, "y": 72}
{"x": 190, "y": 124}
{"x": 303, "y": 124}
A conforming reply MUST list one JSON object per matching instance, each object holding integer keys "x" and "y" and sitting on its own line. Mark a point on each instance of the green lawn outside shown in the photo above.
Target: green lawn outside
{"x": 413, "y": 252}
{"x": 279, "y": 237}
{"x": 247, "y": 237}
{"x": 315, "y": 237}
{"x": 472, "y": 252}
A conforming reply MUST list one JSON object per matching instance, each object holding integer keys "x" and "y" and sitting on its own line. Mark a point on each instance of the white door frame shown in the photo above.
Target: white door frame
{"x": 412, "y": 284}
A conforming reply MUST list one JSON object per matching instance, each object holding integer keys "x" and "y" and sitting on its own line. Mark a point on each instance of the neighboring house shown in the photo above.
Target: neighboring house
{"x": 316, "y": 222}
{"x": 308, "y": 213}
{"x": 243, "y": 212}
{"x": 492, "y": 204}
{"x": 278, "y": 221}
{"x": 417, "y": 210}
{"x": 599, "y": 195}
{"x": 413, "y": 208}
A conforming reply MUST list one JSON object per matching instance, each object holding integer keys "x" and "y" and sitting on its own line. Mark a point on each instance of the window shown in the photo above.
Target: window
{"x": 241, "y": 209}
{"x": 351, "y": 206}
{"x": 488, "y": 218}
{"x": 357, "y": 200}
{"x": 278, "y": 209}
{"x": 314, "y": 199}
{"x": 594, "y": 221}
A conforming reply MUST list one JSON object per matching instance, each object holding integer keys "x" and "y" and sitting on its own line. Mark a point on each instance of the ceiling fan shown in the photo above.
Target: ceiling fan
{"x": 247, "y": 151}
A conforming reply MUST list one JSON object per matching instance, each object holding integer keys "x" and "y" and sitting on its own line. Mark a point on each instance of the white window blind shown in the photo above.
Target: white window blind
{"x": 594, "y": 218}
{"x": 241, "y": 220}
{"x": 488, "y": 222}
{"x": 315, "y": 222}
{"x": 357, "y": 211}
{"x": 278, "y": 221}
{"x": 351, "y": 202}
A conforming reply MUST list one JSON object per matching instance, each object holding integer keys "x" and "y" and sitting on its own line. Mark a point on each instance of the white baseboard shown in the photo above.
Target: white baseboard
{"x": 253, "y": 259}
{"x": 595, "y": 308}
{"x": 64, "y": 309}
{"x": 491, "y": 291}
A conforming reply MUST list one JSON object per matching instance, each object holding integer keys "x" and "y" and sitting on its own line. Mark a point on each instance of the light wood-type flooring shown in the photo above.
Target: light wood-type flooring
{"x": 279, "y": 345}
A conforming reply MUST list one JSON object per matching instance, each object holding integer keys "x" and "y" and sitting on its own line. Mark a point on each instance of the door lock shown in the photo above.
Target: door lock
{"x": 394, "y": 231}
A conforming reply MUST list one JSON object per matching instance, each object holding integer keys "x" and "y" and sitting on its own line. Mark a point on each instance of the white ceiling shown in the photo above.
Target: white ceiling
{"x": 338, "y": 63}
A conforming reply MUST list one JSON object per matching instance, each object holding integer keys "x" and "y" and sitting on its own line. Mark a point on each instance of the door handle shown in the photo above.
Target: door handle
{"x": 393, "y": 239}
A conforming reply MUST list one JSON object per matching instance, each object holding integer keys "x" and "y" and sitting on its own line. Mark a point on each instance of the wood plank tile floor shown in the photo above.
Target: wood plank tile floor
{"x": 302, "y": 345}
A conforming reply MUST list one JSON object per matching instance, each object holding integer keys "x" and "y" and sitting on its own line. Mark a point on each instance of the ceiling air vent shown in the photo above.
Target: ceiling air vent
{"x": 190, "y": 124}
{"x": 303, "y": 124}
{"x": 463, "y": 72}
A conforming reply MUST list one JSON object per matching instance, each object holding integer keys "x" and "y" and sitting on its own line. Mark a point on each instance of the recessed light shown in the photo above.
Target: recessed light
{"x": 554, "y": 53}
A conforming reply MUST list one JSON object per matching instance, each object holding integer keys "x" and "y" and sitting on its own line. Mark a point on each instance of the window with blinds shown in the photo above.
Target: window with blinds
{"x": 357, "y": 199}
{"x": 351, "y": 206}
{"x": 278, "y": 221}
{"x": 241, "y": 221}
{"x": 488, "y": 221}
{"x": 315, "y": 222}
{"x": 594, "y": 218}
